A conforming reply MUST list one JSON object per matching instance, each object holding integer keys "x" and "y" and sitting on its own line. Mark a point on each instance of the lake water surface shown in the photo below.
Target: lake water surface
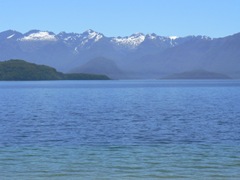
{"x": 145, "y": 129}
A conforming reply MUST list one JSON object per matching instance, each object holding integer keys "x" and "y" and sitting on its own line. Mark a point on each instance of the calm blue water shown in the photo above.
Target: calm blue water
{"x": 120, "y": 130}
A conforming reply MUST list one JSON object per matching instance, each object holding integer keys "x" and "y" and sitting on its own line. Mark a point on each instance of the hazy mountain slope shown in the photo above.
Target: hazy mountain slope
{"x": 220, "y": 55}
{"x": 100, "y": 65}
{"x": 197, "y": 74}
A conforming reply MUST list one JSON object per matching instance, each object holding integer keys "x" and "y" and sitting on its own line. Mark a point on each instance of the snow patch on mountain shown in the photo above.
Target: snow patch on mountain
{"x": 39, "y": 36}
{"x": 9, "y": 37}
{"x": 173, "y": 37}
{"x": 90, "y": 34}
{"x": 68, "y": 37}
{"x": 88, "y": 38}
{"x": 130, "y": 41}
{"x": 151, "y": 36}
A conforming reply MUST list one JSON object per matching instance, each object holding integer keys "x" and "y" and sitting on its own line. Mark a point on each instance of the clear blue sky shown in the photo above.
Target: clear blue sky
{"x": 214, "y": 18}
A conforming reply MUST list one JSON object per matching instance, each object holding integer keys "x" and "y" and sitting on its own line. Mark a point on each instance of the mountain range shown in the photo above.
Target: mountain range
{"x": 136, "y": 56}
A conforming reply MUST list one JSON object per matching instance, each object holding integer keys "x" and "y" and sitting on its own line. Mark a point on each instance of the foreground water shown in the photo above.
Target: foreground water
{"x": 120, "y": 130}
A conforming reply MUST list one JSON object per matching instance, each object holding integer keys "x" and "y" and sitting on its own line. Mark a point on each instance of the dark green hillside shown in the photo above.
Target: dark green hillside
{"x": 22, "y": 70}
{"x": 19, "y": 70}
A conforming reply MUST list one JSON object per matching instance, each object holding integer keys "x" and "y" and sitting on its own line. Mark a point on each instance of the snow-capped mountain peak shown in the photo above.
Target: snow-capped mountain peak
{"x": 129, "y": 41}
{"x": 173, "y": 37}
{"x": 89, "y": 31}
{"x": 39, "y": 36}
{"x": 68, "y": 37}
{"x": 90, "y": 34}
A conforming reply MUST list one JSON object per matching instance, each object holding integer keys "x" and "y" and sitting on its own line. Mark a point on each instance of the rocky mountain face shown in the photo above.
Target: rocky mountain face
{"x": 135, "y": 56}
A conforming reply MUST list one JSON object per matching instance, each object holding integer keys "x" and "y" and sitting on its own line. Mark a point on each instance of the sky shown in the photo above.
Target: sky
{"x": 214, "y": 18}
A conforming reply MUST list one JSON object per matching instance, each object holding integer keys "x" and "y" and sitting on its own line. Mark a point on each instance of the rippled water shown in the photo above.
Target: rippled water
{"x": 120, "y": 130}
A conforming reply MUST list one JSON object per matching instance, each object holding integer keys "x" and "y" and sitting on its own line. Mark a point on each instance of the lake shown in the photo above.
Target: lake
{"x": 133, "y": 129}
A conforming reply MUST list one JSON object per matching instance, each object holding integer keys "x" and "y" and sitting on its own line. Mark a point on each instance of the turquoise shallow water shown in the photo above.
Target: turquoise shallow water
{"x": 121, "y": 162}
{"x": 120, "y": 130}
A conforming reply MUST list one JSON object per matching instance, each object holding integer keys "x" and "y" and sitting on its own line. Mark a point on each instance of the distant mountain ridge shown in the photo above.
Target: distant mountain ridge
{"x": 86, "y": 39}
{"x": 136, "y": 56}
{"x": 197, "y": 74}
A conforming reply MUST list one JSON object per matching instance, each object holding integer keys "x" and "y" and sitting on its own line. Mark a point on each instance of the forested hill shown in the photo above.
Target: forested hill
{"x": 20, "y": 70}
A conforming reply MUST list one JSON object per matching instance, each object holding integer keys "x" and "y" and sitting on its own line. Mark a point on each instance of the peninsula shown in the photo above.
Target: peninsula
{"x": 20, "y": 70}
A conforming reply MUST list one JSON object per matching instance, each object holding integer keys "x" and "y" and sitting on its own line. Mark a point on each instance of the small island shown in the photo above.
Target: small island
{"x": 20, "y": 70}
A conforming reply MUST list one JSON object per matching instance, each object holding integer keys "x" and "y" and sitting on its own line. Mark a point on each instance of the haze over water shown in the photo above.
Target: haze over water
{"x": 120, "y": 129}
